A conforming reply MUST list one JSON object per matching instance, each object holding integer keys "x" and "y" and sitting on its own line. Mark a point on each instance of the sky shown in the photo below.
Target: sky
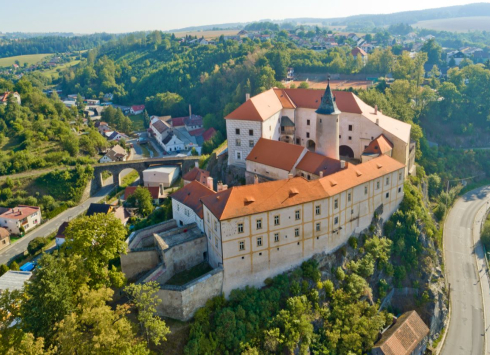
{"x": 118, "y": 16}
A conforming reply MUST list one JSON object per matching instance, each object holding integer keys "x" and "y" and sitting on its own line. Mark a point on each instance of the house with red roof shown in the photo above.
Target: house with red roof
{"x": 4, "y": 97}
{"x": 20, "y": 219}
{"x": 137, "y": 109}
{"x": 156, "y": 192}
{"x": 360, "y": 52}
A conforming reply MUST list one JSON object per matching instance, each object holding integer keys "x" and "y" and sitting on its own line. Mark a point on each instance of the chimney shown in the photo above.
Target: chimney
{"x": 196, "y": 164}
{"x": 321, "y": 173}
{"x": 225, "y": 187}
{"x": 290, "y": 176}
{"x": 219, "y": 187}
{"x": 247, "y": 96}
{"x": 256, "y": 179}
{"x": 342, "y": 164}
{"x": 190, "y": 111}
{"x": 209, "y": 182}
{"x": 375, "y": 109}
{"x": 377, "y": 121}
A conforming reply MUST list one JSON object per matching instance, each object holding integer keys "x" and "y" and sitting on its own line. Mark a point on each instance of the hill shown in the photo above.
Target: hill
{"x": 461, "y": 24}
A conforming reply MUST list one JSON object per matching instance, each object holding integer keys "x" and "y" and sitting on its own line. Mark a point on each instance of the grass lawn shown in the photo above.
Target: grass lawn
{"x": 137, "y": 121}
{"x": 130, "y": 178}
{"x": 146, "y": 152}
{"x": 188, "y": 275}
{"x": 29, "y": 59}
{"x": 53, "y": 72}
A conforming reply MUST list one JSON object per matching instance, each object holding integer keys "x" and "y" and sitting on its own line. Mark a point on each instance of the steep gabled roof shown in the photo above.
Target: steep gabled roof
{"x": 357, "y": 51}
{"x": 98, "y": 208}
{"x": 266, "y": 152}
{"x": 379, "y": 145}
{"x": 404, "y": 336}
{"x": 191, "y": 194}
{"x": 196, "y": 174}
{"x": 258, "y": 108}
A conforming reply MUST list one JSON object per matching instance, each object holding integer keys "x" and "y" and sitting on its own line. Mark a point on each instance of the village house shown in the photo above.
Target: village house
{"x": 196, "y": 174}
{"x": 4, "y": 97}
{"x": 119, "y": 211}
{"x": 116, "y": 153}
{"x": 20, "y": 219}
{"x": 156, "y": 192}
{"x": 60, "y": 235}
{"x": 137, "y": 109}
{"x": 407, "y": 336}
{"x": 4, "y": 238}
{"x": 359, "y": 51}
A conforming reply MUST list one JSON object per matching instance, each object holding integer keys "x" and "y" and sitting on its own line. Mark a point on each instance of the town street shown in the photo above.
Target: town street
{"x": 467, "y": 276}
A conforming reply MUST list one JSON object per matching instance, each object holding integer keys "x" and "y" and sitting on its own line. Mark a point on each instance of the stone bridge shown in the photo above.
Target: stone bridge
{"x": 185, "y": 163}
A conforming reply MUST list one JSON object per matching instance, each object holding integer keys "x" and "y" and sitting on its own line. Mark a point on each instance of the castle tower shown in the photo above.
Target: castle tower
{"x": 327, "y": 126}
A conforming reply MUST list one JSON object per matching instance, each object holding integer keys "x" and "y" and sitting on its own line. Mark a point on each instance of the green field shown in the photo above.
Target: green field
{"x": 459, "y": 24}
{"x": 137, "y": 122}
{"x": 29, "y": 59}
{"x": 54, "y": 72}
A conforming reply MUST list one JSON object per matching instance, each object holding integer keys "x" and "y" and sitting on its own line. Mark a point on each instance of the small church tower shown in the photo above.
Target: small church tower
{"x": 327, "y": 126}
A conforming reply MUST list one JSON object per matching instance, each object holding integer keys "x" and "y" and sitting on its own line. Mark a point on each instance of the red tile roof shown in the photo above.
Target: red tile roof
{"x": 209, "y": 134}
{"x": 258, "y": 108}
{"x": 250, "y": 199}
{"x": 178, "y": 121}
{"x": 196, "y": 174}
{"x": 265, "y": 152}
{"x": 191, "y": 194}
{"x": 314, "y": 163}
{"x": 138, "y": 107}
{"x": 357, "y": 51}
{"x": 19, "y": 212}
{"x": 197, "y": 132}
{"x": 380, "y": 145}
{"x": 154, "y": 191}
{"x": 404, "y": 336}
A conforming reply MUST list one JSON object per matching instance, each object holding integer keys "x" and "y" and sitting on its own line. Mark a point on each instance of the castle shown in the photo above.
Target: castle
{"x": 318, "y": 168}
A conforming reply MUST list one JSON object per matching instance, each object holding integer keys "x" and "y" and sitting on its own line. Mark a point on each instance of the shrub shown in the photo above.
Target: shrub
{"x": 14, "y": 266}
{"x": 353, "y": 242}
{"x": 3, "y": 269}
{"x": 36, "y": 244}
{"x": 340, "y": 274}
{"x": 310, "y": 270}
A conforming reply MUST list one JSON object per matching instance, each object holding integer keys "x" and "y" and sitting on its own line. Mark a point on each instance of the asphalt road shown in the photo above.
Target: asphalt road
{"x": 467, "y": 275}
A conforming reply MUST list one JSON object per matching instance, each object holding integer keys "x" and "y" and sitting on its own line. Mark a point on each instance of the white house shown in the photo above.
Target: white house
{"x": 163, "y": 176}
{"x": 4, "y": 97}
{"x": 116, "y": 153}
{"x": 186, "y": 203}
{"x": 172, "y": 143}
{"x": 25, "y": 217}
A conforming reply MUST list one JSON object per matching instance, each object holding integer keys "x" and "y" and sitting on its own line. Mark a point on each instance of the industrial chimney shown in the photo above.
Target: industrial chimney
{"x": 190, "y": 111}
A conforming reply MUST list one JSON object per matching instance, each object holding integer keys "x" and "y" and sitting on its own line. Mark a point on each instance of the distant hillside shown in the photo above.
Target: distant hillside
{"x": 411, "y": 17}
{"x": 458, "y": 24}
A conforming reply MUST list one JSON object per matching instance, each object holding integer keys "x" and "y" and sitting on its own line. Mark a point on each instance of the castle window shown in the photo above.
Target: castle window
{"x": 282, "y": 128}
{"x": 296, "y": 232}
{"x": 320, "y": 120}
{"x": 336, "y": 203}
{"x": 297, "y": 215}
{"x": 399, "y": 189}
{"x": 318, "y": 227}
{"x": 377, "y": 185}
{"x": 365, "y": 190}
{"x": 251, "y": 143}
{"x": 250, "y": 132}
{"x": 317, "y": 210}
{"x": 387, "y": 181}
{"x": 387, "y": 195}
{"x": 276, "y": 220}
{"x": 238, "y": 143}
{"x": 240, "y": 227}
{"x": 207, "y": 215}
{"x": 350, "y": 138}
{"x": 350, "y": 127}
{"x": 298, "y": 141}
{"x": 215, "y": 226}
{"x": 238, "y": 155}
{"x": 259, "y": 224}
{"x": 307, "y": 122}
{"x": 307, "y": 134}
{"x": 259, "y": 241}
{"x": 241, "y": 245}
{"x": 351, "y": 211}
{"x": 270, "y": 128}
{"x": 399, "y": 176}
{"x": 216, "y": 243}
{"x": 349, "y": 197}
{"x": 340, "y": 136}
{"x": 309, "y": 177}
{"x": 336, "y": 220}
{"x": 276, "y": 237}
{"x": 237, "y": 130}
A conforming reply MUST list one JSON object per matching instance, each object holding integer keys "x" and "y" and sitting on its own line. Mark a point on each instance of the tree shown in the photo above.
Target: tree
{"x": 3, "y": 269}
{"x": 94, "y": 328}
{"x": 433, "y": 50}
{"x": 49, "y": 297}
{"x": 304, "y": 85}
{"x": 143, "y": 297}
{"x": 97, "y": 239}
{"x": 36, "y": 244}
{"x": 14, "y": 266}
{"x": 80, "y": 103}
{"x": 166, "y": 103}
{"x": 142, "y": 198}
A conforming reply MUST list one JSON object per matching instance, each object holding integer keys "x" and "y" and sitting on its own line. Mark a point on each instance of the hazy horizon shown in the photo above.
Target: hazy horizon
{"x": 130, "y": 16}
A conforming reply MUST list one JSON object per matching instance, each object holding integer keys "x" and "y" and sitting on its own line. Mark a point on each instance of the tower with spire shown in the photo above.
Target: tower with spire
{"x": 327, "y": 125}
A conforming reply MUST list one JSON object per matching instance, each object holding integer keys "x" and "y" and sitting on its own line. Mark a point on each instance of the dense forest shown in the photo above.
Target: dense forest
{"x": 51, "y": 44}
